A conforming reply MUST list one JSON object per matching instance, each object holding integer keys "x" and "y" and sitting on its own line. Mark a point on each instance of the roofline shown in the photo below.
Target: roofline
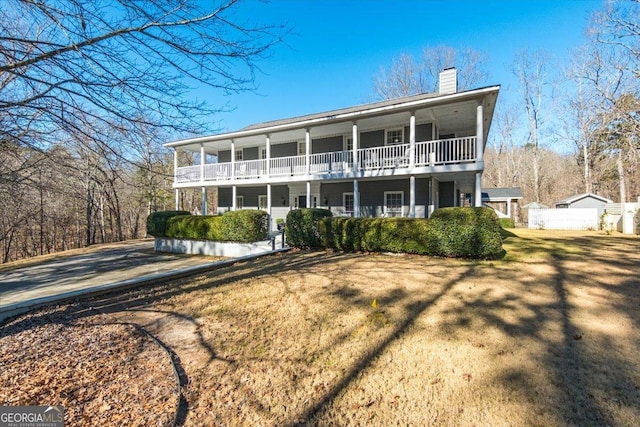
{"x": 365, "y": 112}
{"x": 580, "y": 197}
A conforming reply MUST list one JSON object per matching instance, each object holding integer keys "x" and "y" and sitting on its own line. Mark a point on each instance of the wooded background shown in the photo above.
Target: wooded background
{"x": 89, "y": 91}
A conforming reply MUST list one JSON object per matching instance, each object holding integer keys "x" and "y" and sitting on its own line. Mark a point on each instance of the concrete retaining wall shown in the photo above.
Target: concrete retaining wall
{"x": 202, "y": 247}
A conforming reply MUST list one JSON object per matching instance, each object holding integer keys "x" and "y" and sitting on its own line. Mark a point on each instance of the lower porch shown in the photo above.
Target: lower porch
{"x": 413, "y": 197}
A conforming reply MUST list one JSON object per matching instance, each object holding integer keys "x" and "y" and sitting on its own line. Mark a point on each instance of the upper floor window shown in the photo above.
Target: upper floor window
{"x": 302, "y": 148}
{"x": 347, "y": 143}
{"x": 238, "y": 155}
{"x": 263, "y": 153}
{"x": 394, "y": 136}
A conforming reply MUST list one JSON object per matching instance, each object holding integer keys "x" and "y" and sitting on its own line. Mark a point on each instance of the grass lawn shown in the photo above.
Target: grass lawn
{"x": 547, "y": 336}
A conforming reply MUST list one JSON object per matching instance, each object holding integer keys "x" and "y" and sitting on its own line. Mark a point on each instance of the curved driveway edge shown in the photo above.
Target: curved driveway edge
{"x": 98, "y": 272}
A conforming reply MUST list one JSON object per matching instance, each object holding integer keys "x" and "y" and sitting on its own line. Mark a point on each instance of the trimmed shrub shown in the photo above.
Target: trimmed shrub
{"x": 452, "y": 232}
{"x": 301, "y": 227}
{"x": 374, "y": 234}
{"x": 157, "y": 222}
{"x": 195, "y": 227}
{"x": 465, "y": 232}
{"x": 244, "y": 226}
{"x": 506, "y": 223}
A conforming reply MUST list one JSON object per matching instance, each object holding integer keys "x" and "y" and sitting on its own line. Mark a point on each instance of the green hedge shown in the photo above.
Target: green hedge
{"x": 375, "y": 234}
{"x": 157, "y": 222}
{"x": 245, "y": 226}
{"x": 451, "y": 232}
{"x": 507, "y": 223}
{"x": 301, "y": 227}
{"x": 237, "y": 226}
{"x": 465, "y": 232}
{"x": 195, "y": 227}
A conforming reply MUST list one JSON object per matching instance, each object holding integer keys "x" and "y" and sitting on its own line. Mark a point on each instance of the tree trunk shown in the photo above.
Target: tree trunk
{"x": 587, "y": 171}
{"x": 621, "y": 178}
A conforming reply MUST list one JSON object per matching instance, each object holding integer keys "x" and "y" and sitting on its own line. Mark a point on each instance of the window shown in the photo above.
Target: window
{"x": 263, "y": 153}
{"x": 262, "y": 202}
{"x": 394, "y": 136}
{"x": 347, "y": 202}
{"x": 302, "y": 148}
{"x": 393, "y": 201}
{"x": 239, "y": 202}
{"x": 348, "y": 143}
{"x": 238, "y": 156}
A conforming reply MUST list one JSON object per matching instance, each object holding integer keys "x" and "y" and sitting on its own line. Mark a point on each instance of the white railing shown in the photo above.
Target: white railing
{"x": 336, "y": 161}
{"x": 188, "y": 174}
{"x": 446, "y": 151}
{"x": 288, "y": 166}
{"x": 386, "y": 157}
{"x": 427, "y": 153}
{"x": 248, "y": 169}
{"x": 217, "y": 172}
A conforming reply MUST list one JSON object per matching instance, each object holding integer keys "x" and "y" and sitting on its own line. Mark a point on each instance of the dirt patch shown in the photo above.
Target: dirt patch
{"x": 548, "y": 336}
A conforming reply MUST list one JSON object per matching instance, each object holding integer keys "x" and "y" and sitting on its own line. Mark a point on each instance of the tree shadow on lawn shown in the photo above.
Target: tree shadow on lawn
{"x": 566, "y": 360}
{"x": 590, "y": 374}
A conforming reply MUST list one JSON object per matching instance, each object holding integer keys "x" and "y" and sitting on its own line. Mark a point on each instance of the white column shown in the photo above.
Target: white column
{"x": 233, "y": 165}
{"x": 354, "y": 137}
{"x": 307, "y": 154}
{"x": 268, "y": 142}
{"x": 204, "y": 200}
{"x": 269, "y": 208}
{"x": 175, "y": 164}
{"x": 509, "y": 208}
{"x": 233, "y": 198}
{"x": 175, "y": 176}
{"x": 479, "y": 132}
{"x": 308, "y": 194}
{"x": 412, "y": 197}
{"x": 478, "y": 190}
{"x": 204, "y": 190}
{"x": 356, "y": 199}
{"x": 431, "y": 205}
{"x": 202, "y": 162}
{"x": 412, "y": 139}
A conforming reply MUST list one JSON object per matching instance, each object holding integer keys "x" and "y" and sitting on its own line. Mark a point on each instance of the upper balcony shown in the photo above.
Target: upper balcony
{"x": 375, "y": 161}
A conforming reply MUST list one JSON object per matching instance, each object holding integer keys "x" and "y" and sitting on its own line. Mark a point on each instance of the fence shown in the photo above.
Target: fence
{"x": 564, "y": 219}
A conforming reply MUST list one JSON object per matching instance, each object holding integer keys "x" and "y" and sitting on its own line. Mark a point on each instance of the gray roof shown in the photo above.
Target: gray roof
{"x": 331, "y": 113}
{"x": 501, "y": 194}
{"x": 573, "y": 199}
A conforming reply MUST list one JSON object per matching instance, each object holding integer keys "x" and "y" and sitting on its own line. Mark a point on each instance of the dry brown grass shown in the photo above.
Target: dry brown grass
{"x": 547, "y": 336}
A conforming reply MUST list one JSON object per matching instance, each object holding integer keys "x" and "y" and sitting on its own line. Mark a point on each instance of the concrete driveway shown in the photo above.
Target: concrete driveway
{"x": 74, "y": 275}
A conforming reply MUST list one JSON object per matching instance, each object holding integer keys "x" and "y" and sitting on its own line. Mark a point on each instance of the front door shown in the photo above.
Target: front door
{"x": 302, "y": 201}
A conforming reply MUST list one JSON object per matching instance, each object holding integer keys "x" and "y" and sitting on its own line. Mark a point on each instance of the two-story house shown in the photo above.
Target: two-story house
{"x": 400, "y": 157}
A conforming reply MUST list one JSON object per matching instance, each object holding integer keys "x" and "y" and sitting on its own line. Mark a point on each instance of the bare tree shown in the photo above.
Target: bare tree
{"x": 62, "y": 60}
{"x": 406, "y": 76}
{"x": 618, "y": 26}
{"x": 504, "y": 159}
{"x": 604, "y": 103}
{"x": 531, "y": 70}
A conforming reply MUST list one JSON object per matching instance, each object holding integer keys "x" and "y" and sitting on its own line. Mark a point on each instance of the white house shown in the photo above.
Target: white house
{"x": 401, "y": 157}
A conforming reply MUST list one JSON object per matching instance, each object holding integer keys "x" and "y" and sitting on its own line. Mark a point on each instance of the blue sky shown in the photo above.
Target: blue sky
{"x": 336, "y": 46}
